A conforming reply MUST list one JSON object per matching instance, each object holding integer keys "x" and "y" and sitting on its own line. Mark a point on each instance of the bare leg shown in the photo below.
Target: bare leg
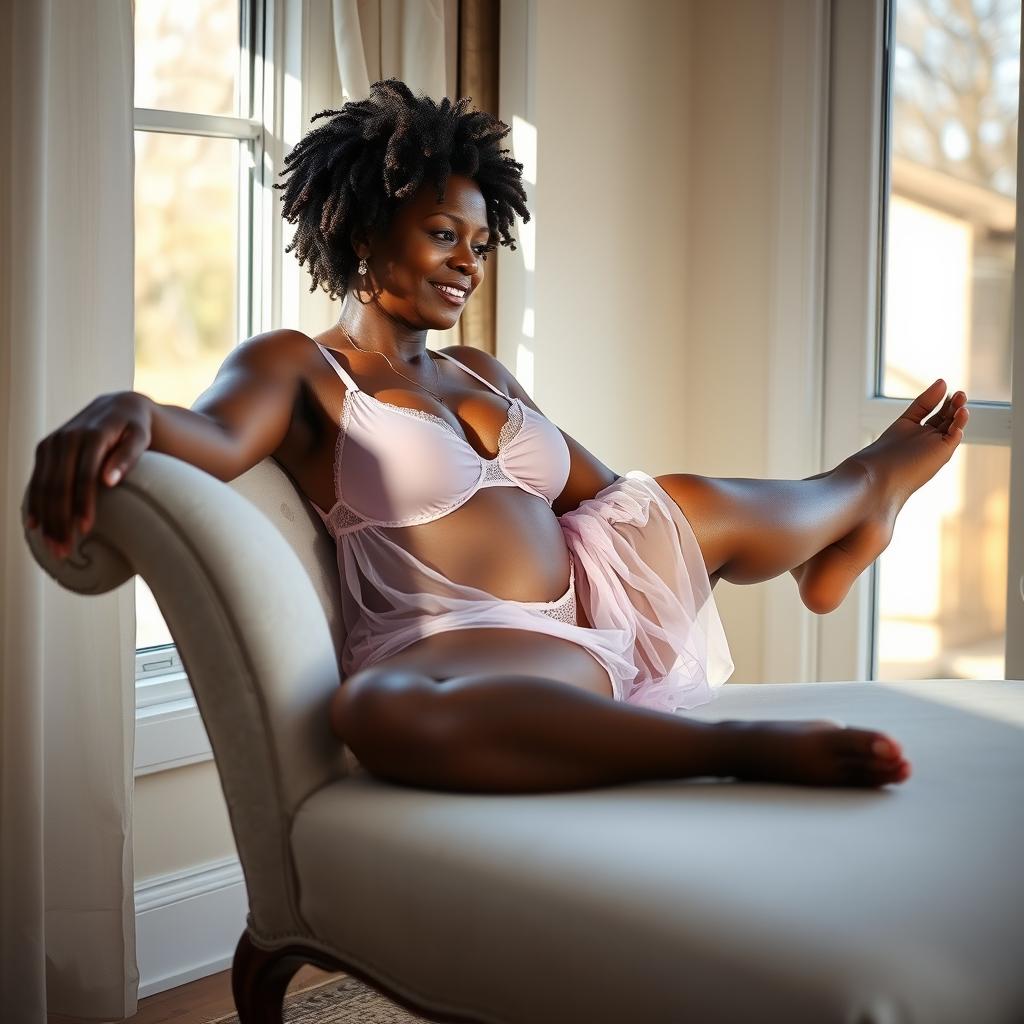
{"x": 751, "y": 530}
{"x": 525, "y": 734}
{"x": 825, "y": 529}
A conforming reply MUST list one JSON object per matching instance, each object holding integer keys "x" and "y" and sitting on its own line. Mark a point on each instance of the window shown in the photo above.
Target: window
{"x": 921, "y": 279}
{"x": 202, "y": 174}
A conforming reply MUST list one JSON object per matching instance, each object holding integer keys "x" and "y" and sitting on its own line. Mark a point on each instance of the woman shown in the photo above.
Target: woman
{"x": 500, "y": 583}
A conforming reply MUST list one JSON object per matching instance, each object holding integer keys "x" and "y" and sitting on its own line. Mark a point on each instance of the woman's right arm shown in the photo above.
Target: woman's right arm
{"x": 237, "y": 422}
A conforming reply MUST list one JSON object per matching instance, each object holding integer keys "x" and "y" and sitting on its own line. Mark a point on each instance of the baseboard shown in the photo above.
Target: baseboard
{"x": 187, "y": 924}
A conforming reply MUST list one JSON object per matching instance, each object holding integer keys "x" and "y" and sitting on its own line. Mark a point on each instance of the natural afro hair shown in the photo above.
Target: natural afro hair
{"x": 354, "y": 171}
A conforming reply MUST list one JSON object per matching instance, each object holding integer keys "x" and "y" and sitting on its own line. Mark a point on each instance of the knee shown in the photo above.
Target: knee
{"x": 704, "y": 504}
{"x": 387, "y": 716}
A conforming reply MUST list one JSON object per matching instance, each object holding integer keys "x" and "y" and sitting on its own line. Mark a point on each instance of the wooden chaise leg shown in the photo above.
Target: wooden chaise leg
{"x": 260, "y": 977}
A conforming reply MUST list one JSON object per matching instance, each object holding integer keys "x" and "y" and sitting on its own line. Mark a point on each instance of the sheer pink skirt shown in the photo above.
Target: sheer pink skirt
{"x": 642, "y": 575}
{"x": 635, "y": 564}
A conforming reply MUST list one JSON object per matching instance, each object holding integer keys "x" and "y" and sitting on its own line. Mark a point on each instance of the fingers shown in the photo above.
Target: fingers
{"x": 123, "y": 455}
{"x": 84, "y": 502}
{"x": 48, "y": 470}
{"x": 106, "y": 439}
{"x": 54, "y": 488}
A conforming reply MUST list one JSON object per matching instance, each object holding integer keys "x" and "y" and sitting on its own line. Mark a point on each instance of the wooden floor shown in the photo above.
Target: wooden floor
{"x": 208, "y": 998}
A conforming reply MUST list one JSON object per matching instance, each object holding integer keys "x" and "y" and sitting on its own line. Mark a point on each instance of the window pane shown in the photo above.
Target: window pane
{"x": 187, "y": 55}
{"x": 952, "y": 208}
{"x": 942, "y": 580}
{"x": 186, "y": 277}
{"x": 150, "y": 628}
{"x": 186, "y": 281}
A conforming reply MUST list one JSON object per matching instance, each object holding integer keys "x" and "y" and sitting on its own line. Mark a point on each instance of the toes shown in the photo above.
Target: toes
{"x": 868, "y": 744}
{"x": 941, "y": 419}
{"x": 946, "y": 417}
{"x": 955, "y": 434}
{"x": 925, "y": 402}
{"x": 856, "y": 772}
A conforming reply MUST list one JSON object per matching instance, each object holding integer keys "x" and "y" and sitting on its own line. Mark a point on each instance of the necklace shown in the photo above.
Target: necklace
{"x": 437, "y": 377}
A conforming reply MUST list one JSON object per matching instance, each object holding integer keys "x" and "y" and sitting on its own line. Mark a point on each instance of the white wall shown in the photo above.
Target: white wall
{"x": 656, "y": 228}
{"x": 731, "y": 238}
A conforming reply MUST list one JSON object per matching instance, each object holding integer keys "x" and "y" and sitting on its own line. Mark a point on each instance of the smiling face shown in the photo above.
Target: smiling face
{"x": 429, "y": 244}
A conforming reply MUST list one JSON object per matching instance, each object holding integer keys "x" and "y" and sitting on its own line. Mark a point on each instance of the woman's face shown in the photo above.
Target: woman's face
{"x": 430, "y": 243}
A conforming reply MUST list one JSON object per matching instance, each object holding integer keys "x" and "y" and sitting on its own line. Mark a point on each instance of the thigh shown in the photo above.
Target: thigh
{"x": 465, "y": 652}
{"x": 708, "y": 512}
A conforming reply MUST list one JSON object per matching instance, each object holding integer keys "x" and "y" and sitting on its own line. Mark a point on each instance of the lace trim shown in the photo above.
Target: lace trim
{"x": 344, "y": 520}
{"x": 512, "y": 426}
{"x": 565, "y": 612}
{"x": 565, "y": 609}
{"x": 495, "y": 471}
{"x": 418, "y": 414}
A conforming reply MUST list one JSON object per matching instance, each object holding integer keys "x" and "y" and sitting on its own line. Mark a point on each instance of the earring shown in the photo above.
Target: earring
{"x": 363, "y": 267}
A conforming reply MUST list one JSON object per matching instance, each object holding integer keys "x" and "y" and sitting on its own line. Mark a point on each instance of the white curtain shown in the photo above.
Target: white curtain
{"x": 67, "y": 914}
{"x": 414, "y": 40}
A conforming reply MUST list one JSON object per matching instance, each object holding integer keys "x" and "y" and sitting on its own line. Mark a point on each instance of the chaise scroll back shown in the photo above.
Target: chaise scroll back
{"x": 245, "y": 577}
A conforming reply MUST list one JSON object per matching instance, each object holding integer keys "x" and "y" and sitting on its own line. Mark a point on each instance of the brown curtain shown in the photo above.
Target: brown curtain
{"x": 479, "y": 21}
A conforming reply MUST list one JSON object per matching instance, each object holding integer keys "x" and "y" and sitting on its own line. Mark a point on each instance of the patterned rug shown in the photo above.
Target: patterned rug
{"x": 338, "y": 1001}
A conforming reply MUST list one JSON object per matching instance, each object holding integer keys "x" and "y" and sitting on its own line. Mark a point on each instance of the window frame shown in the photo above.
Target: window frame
{"x": 860, "y": 63}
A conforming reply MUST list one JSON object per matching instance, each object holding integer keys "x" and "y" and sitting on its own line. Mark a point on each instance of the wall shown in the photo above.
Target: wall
{"x": 731, "y": 240}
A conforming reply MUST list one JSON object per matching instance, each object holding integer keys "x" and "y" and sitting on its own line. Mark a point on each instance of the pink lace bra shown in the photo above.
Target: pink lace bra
{"x": 395, "y": 466}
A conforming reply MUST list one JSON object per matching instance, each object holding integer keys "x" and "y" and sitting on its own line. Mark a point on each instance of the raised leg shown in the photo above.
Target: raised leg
{"x": 824, "y": 529}
{"x": 751, "y": 530}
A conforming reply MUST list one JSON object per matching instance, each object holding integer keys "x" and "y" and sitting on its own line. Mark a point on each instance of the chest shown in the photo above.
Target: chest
{"x": 480, "y": 421}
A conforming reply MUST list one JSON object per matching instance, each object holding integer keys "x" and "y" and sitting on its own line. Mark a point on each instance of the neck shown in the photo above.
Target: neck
{"x": 375, "y": 330}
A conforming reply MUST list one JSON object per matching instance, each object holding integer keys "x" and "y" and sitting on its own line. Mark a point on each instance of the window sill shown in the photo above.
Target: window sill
{"x": 169, "y": 731}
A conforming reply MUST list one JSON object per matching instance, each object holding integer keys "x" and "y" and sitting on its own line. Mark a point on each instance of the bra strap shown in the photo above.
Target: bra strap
{"x": 346, "y": 377}
{"x": 457, "y": 362}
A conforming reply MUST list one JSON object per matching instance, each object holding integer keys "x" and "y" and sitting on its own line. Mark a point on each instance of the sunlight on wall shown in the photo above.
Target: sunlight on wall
{"x": 528, "y": 321}
{"x": 524, "y": 367}
{"x": 524, "y": 147}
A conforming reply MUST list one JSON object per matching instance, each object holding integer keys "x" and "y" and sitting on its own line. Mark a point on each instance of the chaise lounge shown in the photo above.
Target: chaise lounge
{"x": 699, "y": 900}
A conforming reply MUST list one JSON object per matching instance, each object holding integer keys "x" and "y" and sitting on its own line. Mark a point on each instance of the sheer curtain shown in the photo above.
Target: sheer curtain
{"x": 67, "y": 913}
{"x": 441, "y": 48}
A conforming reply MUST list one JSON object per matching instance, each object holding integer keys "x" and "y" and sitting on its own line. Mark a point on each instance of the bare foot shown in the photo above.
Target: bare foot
{"x": 819, "y": 752}
{"x": 910, "y": 452}
{"x": 907, "y": 454}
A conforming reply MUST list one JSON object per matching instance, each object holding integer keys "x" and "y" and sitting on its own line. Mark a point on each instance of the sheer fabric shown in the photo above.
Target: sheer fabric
{"x": 640, "y": 579}
{"x": 634, "y": 563}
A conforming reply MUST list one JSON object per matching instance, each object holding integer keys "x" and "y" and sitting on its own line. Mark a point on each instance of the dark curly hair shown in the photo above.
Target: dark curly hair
{"x": 355, "y": 170}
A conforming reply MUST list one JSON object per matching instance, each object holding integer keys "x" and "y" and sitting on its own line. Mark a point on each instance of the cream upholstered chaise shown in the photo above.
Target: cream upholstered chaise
{"x": 680, "y": 900}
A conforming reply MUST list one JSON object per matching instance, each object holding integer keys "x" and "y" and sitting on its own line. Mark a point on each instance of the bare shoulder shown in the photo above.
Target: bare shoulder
{"x": 283, "y": 356}
{"x": 488, "y": 366}
{"x": 281, "y": 344}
